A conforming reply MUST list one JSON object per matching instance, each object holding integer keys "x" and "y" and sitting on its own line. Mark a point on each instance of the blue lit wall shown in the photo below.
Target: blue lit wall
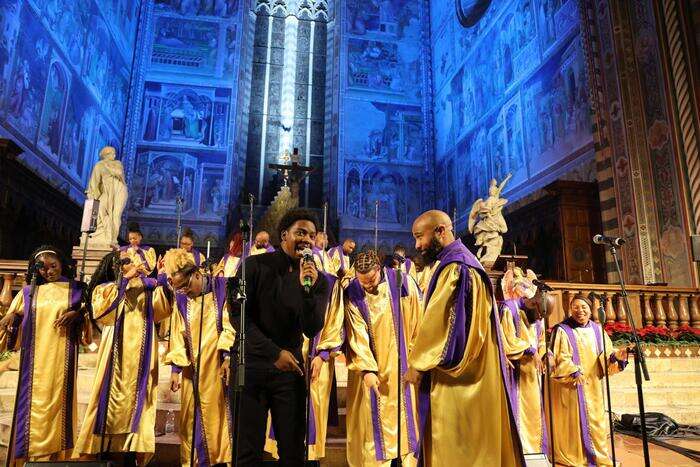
{"x": 181, "y": 141}
{"x": 510, "y": 96}
{"x": 65, "y": 67}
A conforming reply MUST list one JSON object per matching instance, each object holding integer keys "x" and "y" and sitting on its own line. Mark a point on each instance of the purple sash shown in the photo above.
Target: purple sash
{"x": 582, "y": 409}
{"x": 456, "y": 252}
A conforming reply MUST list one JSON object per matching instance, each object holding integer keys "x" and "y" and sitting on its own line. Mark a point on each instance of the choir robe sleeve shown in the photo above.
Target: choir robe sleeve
{"x": 177, "y": 354}
{"x": 332, "y": 335}
{"x": 162, "y": 304}
{"x": 614, "y": 364}
{"x": 150, "y": 255}
{"x": 514, "y": 345}
{"x": 103, "y": 296}
{"x": 227, "y": 335}
{"x": 361, "y": 356}
{"x": 564, "y": 367}
{"x": 414, "y": 304}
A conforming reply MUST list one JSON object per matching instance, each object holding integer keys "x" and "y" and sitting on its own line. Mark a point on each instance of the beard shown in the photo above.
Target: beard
{"x": 430, "y": 254}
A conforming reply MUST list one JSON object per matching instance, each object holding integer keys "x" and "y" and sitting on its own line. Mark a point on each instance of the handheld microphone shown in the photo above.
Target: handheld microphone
{"x": 308, "y": 256}
{"x": 542, "y": 285}
{"x": 605, "y": 240}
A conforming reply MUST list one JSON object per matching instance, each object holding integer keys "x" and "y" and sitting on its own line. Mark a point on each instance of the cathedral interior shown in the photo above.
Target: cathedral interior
{"x": 399, "y": 106}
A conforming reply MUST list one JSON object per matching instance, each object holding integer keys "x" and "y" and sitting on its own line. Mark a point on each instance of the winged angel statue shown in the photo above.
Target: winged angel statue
{"x": 487, "y": 224}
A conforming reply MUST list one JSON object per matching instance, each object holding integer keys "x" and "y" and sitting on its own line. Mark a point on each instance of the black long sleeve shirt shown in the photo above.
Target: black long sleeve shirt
{"x": 278, "y": 310}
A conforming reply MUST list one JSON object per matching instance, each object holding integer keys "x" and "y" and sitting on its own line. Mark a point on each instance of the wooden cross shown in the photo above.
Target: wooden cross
{"x": 294, "y": 173}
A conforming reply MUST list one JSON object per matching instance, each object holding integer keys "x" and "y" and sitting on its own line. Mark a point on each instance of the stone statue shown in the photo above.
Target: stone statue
{"x": 487, "y": 224}
{"x": 107, "y": 184}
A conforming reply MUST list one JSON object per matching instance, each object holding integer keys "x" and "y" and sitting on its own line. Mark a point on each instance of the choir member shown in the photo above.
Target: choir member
{"x": 457, "y": 358}
{"x": 187, "y": 244}
{"x": 578, "y": 411}
{"x": 230, "y": 263}
{"x": 320, "y": 255}
{"x": 122, "y": 404}
{"x": 261, "y": 244}
{"x": 399, "y": 258}
{"x": 373, "y": 312}
{"x": 209, "y": 412}
{"x": 523, "y": 330}
{"x": 339, "y": 257}
{"x": 144, "y": 257}
{"x": 48, "y": 327}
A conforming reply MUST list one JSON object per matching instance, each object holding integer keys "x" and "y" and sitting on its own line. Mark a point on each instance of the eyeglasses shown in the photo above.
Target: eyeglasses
{"x": 186, "y": 287}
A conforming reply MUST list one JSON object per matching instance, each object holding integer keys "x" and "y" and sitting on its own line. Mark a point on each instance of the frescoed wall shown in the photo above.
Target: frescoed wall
{"x": 510, "y": 96}
{"x": 383, "y": 151}
{"x": 65, "y": 67}
{"x": 182, "y": 142}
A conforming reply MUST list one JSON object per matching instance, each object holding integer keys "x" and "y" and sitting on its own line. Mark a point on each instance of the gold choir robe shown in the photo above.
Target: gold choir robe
{"x": 255, "y": 250}
{"x": 45, "y": 423}
{"x": 126, "y": 381}
{"x": 371, "y": 322}
{"x": 338, "y": 261}
{"x": 212, "y": 441}
{"x": 523, "y": 343}
{"x": 326, "y": 345}
{"x": 580, "y": 426}
{"x": 198, "y": 257}
{"x": 424, "y": 275}
{"x": 228, "y": 266}
{"x": 322, "y": 261}
{"x": 465, "y": 413}
{"x": 141, "y": 255}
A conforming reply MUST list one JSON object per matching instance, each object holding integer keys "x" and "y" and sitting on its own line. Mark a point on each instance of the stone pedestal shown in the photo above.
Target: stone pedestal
{"x": 93, "y": 257}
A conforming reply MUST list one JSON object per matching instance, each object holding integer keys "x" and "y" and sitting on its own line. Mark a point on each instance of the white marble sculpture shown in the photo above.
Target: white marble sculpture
{"x": 487, "y": 224}
{"x": 107, "y": 184}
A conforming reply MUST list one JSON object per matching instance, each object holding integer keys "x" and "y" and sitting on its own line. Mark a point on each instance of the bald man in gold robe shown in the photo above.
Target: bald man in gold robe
{"x": 457, "y": 359}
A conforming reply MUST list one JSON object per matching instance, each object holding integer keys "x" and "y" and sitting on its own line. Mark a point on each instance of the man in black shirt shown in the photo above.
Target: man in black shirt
{"x": 279, "y": 310}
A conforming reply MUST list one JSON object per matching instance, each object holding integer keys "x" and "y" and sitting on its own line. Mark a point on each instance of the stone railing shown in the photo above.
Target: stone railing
{"x": 663, "y": 306}
{"x": 11, "y": 279}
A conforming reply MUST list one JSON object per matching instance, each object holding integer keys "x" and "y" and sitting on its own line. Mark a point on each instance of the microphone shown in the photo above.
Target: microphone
{"x": 39, "y": 264}
{"x": 542, "y": 285}
{"x": 308, "y": 256}
{"x": 605, "y": 240}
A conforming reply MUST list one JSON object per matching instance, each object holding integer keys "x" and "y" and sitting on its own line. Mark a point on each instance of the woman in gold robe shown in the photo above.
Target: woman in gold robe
{"x": 372, "y": 316}
{"x": 46, "y": 331}
{"x": 122, "y": 404}
{"x": 326, "y": 346}
{"x": 208, "y": 416}
{"x": 525, "y": 348}
{"x": 144, "y": 257}
{"x": 578, "y": 411}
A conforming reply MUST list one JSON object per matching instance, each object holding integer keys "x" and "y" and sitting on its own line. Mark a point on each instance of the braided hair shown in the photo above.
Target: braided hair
{"x": 67, "y": 267}
{"x": 366, "y": 261}
{"x": 104, "y": 273}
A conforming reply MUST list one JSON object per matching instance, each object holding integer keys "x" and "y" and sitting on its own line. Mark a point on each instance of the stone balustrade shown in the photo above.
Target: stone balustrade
{"x": 663, "y": 306}
{"x": 11, "y": 279}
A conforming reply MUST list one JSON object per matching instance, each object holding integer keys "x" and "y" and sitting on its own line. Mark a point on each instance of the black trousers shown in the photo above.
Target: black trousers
{"x": 284, "y": 394}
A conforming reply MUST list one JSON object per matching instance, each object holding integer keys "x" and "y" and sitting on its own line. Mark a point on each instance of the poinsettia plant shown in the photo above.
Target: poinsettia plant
{"x": 621, "y": 333}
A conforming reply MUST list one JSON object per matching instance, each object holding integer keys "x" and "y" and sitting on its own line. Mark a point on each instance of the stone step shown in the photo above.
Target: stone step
{"x": 687, "y": 396}
{"x": 668, "y": 379}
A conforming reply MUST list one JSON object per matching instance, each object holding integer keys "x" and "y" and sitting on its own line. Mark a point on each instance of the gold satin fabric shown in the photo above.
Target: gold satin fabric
{"x": 212, "y": 392}
{"x": 324, "y": 263}
{"x": 257, "y": 251}
{"x": 149, "y": 254}
{"x": 228, "y": 266}
{"x": 383, "y": 361}
{"x": 124, "y": 384}
{"x": 331, "y": 337}
{"x": 469, "y": 421}
{"x": 568, "y": 446}
{"x": 529, "y": 379}
{"x": 423, "y": 277}
{"x": 48, "y": 406}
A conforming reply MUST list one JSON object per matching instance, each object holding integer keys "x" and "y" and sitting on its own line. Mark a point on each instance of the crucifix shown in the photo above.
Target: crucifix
{"x": 292, "y": 172}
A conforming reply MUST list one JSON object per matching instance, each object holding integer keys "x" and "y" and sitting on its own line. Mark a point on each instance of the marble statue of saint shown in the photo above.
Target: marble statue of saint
{"x": 487, "y": 224}
{"x": 107, "y": 184}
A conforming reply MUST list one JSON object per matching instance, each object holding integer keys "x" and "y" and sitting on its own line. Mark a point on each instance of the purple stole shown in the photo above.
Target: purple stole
{"x": 197, "y": 257}
{"x": 24, "y": 402}
{"x": 408, "y": 264}
{"x": 139, "y": 250}
{"x": 356, "y": 295}
{"x": 456, "y": 252}
{"x": 568, "y": 326}
{"x": 219, "y": 290}
{"x": 149, "y": 286}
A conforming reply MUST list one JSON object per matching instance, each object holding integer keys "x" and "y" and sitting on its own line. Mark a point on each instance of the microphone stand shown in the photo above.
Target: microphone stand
{"x": 545, "y": 288}
{"x": 236, "y": 388}
{"x": 640, "y": 365}
{"x": 10, "y": 447}
{"x": 195, "y": 373}
{"x": 103, "y": 428}
{"x": 601, "y": 319}
{"x": 307, "y": 381}
{"x": 399, "y": 336}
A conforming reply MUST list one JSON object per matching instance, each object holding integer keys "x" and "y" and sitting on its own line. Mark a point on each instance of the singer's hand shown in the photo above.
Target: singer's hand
{"x": 580, "y": 380}
{"x": 161, "y": 265}
{"x": 130, "y": 271}
{"x": 316, "y": 365}
{"x": 412, "y": 376}
{"x": 175, "y": 382}
{"x": 622, "y": 354}
{"x": 307, "y": 269}
{"x": 287, "y": 362}
{"x": 66, "y": 319}
{"x": 539, "y": 365}
{"x": 371, "y": 382}
{"x": 6, "y": 322}
{"x": 225, "y": 369}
